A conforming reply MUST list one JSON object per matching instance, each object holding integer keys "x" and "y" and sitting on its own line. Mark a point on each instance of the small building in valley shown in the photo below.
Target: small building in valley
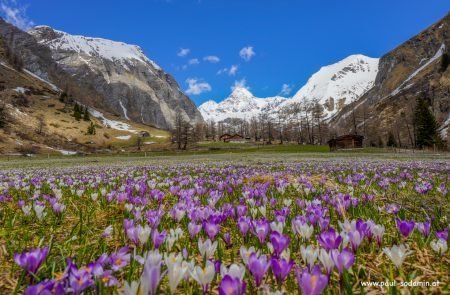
{"x": 348, "y": 141}
{"x": 231, "y": 138}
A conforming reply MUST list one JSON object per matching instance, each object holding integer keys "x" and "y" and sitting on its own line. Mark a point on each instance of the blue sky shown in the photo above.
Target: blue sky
{"x": 263, "y": 43}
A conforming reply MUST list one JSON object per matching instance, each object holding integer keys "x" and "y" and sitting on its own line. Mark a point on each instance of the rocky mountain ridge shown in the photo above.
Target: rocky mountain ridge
{"x": 124, "y": 80}
{"x": 332, "y": 87}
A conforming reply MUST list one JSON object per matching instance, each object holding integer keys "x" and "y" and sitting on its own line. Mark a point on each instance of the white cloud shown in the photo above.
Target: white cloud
{"x": 183, "y": 52}
{"x": 286, "y": 89}
{"x": 15, "y": 14}
{"x": 233, "y": 70}
{"x": 240, "y": 84}
{"x": 247, "y": 53}
{"x": 212, "y": 59}
{"x": 229, "y": 71}
{"x": 194, "y": 61}
{"x": 197, "y": 86}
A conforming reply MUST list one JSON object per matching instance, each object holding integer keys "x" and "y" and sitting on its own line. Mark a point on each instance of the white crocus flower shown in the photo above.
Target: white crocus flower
{"x": 347, "y": 226}
{"x": 108, "y": 231}
{"x": 58, "y": 194}
{"x": 143, "y": 233}
{"x": 176, "y": 270}
{"x": 378, "y": 231}
{"x": 245, "y": 253}
{"x": 309, "y": 254}
{"x": 204, "y": 275}
{"x": 207, "y": 248}
{"x": 326, "y": 260}
{"x": 397, "y": 254}
{"x": 287, "y": 202}
{"x": 39, "y": 210}
{"x": 263, "y": 210}
{"x": 305, "y": 231}
{"x": 26, "y": 209}
{"x": 440, "y": 246}
{"x": 128, "y": 207}
{"x": 131, "y": 289}
{"x": 172, "y": 258}
{"x": 234, "y": 271}
{"x": 277, "y": 226}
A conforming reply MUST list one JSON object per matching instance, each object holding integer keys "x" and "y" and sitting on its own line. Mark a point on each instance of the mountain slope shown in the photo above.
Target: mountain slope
{"x": 34, "y": 120}
{"x": 121, "y": 79}
{"x": 333, "y": 87}
{"x": 413, "y": 69}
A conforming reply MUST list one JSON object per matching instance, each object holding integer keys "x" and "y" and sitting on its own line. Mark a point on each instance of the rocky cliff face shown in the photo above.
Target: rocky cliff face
{"x": 118, "y": 77}
{"x": 411, "y": 70}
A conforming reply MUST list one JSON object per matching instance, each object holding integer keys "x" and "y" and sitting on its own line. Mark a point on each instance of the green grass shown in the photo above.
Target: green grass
{"x": 250, "y": 147}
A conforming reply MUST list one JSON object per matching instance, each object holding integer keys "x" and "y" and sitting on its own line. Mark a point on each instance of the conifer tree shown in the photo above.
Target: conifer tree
{"x": 86, "y": 116}
{"x": 427, "y": 129}
{"x": 77, "y": 112}
{"x": 91, "y": 129}
{"x": 391, "y": 140}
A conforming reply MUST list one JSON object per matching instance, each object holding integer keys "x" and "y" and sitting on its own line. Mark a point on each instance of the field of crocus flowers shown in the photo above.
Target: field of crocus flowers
{"x": 305, "y": 227}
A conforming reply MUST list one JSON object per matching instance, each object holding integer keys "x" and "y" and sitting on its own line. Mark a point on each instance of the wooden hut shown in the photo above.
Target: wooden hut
{"x": 349, "y": 141}
{"x": 231, "y": 137}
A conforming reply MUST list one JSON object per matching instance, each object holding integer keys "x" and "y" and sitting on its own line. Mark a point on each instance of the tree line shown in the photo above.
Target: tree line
{"x": 307, "y": 123}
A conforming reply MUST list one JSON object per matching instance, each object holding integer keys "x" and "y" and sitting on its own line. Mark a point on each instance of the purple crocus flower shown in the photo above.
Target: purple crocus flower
{"x": 151, "y": 276}
{"x": 329, "y": 239}
{"x": 405, "y": 226}
{"x": 127, "y": 223}
{"x": 355, "y": 239}
{"x": 44, "y": 288}
{"x": 241, "y": 210}
{"x": 258, "y": 267}
{"x": 211, "y": 228}
{"x": 158, "y": 237}
{"x": 31, "y": 260}
{"x": 194, "y": 229}
{"x": 227, "y": 239}
{"x": 442, "y": 234}
{"x": 79, "y": 280}
{"x": 261, "y": 228}
{"x": 311, "y": 283}
{"x": 108, "y": 279}
{"x": 281, "y": 268}
{"x": 119, "y": 259}
{"x": 392, "y": 208}
{"x": 279, "y": 242}
{"x": 343, "y": 260}
{"x": 362, "y": 227}
{"x": 244, "y": 225}
{"x": 424, "y": 227}
{"x": 231, "y": 286}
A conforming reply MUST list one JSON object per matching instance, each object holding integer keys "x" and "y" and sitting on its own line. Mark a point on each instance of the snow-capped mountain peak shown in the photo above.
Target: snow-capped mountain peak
{"x": 339, "y": 84}
{"x": 333, "y": 87}
{"x": 241, "y": 104}
{"x": 99, "y": 47}
{"x": 240, "y": 93}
